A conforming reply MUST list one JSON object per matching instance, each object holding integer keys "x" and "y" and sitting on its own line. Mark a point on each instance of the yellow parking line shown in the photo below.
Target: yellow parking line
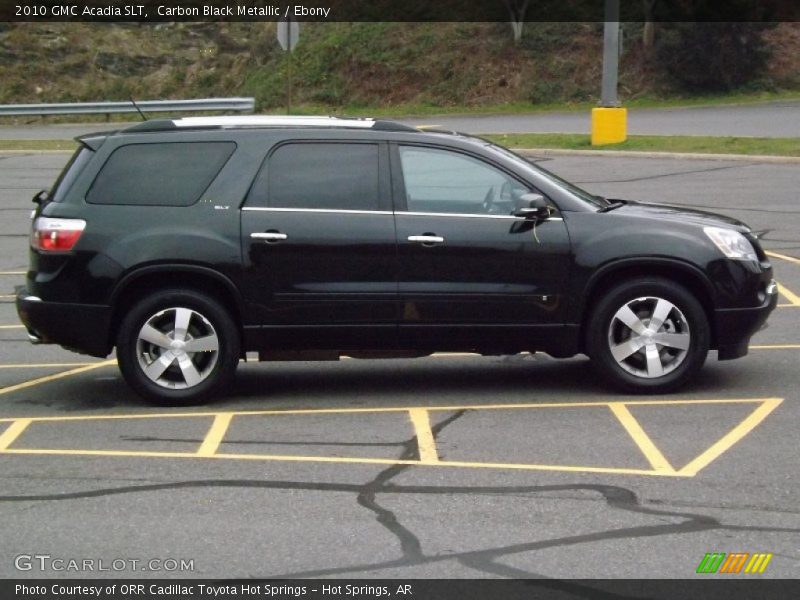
{"x": 45, "y": 365}
{"x": 12, "y": 327}
{"x": 783, "y": 257}
{"x": 12, "y": 272}
{"x": 776, "y": 347}
{"x": 730, "y": 438}
{"x": 793, "y": 298}
{"x": 646, "y": 445}
{"x": 40, "y": 380}
{"x": 317, "y": 411}
{"x": 341, "y": 459}
{"x": 13, "y": 432}
{"x": 428, "y": 455}
{"x": 215, "y": 434}
{"x": 7, "y": 296}
{"x": 425, "y": 440}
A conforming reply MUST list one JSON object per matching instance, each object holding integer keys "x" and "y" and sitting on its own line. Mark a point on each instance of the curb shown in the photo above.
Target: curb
{"x": 752, "y": 158}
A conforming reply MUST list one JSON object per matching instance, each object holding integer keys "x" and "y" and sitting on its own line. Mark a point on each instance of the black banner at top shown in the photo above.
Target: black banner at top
{"x": 396, "y": 10}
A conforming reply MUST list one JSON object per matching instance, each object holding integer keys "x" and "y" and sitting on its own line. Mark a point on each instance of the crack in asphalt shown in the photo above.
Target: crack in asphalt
{"x": 409, "y": 543}
{"x": 486, "y": 559}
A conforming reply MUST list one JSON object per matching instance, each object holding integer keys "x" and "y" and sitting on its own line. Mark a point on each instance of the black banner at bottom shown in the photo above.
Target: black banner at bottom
{"x": 411, "y": 589}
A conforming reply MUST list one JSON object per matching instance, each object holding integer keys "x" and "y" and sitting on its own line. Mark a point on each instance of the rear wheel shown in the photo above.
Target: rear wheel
{"x": 178, "y": 347}
{"x": 648, "y": 335}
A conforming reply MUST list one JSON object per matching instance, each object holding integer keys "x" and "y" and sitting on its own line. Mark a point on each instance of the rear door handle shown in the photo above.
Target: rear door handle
{"x": 426, "y": 239}
{"x": 269, "y": 236}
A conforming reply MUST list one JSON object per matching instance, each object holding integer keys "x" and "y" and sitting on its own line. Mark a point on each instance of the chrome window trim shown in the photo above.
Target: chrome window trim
{"x": 387, "y": 212}
{"x": 468, "y": 216}
{"x": 319, "y": 210}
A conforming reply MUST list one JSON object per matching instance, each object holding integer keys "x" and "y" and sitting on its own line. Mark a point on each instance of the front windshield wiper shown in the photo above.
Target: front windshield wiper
{"x": 611, "y": 205}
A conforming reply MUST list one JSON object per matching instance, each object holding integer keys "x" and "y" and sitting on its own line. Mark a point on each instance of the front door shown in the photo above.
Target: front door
{"x": 470, "y": 273}
{"x": 319, "y": 247}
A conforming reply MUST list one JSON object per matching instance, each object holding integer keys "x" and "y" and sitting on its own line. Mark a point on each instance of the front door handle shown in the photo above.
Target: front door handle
{"x": 269, "y": 236}
{"x": 427, "y": 239}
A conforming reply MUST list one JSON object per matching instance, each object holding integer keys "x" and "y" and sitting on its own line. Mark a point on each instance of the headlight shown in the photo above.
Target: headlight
{"x": 731, "y": 243}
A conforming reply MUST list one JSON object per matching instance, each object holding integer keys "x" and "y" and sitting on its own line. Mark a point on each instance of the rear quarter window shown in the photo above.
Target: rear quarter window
{"x": 163, "y": 174}
{"x": 70, "y": 173}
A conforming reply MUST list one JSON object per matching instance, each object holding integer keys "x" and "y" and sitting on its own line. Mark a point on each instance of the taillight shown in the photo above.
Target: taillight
{"x": 56, "y": 235}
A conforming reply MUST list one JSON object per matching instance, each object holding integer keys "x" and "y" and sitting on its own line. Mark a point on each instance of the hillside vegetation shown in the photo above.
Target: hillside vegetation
{"x": 351, "y": 65}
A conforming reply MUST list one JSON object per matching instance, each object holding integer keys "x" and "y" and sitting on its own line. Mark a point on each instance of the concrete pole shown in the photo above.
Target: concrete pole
{"x": 608, "y": 96}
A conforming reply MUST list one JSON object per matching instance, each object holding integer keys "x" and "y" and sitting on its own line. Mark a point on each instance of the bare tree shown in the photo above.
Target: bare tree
{"x": 516, "y": 10}
{"x": 649, "y": 33}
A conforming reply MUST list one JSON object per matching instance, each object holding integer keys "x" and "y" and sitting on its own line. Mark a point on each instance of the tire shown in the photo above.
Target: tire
{"x": 159, "y": 363}
{"x": 625, "y": 348}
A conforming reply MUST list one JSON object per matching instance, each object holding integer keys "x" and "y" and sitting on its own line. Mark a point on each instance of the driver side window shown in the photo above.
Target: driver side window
{"x": 440, "y": 181}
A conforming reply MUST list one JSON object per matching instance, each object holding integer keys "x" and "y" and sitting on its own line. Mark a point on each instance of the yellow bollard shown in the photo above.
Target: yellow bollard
{"x": 609, "y": 126}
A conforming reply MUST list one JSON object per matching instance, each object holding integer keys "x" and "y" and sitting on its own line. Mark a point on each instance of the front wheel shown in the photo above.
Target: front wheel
{"x": 648, "y": 335}
{"x": 177, "y": 347}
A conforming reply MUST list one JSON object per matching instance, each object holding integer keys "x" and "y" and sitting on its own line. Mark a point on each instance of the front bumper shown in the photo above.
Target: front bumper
{"x": 84, "y": 328}
{"x": 735, "y": 326}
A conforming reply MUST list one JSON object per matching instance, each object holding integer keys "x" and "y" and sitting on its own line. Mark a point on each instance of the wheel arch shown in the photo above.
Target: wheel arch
{"x": 685, "y": 274}
{"x": 144, "y": 280}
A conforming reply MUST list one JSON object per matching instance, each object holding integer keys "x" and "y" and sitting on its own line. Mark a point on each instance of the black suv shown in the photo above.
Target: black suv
{"x": 187, "y": 243}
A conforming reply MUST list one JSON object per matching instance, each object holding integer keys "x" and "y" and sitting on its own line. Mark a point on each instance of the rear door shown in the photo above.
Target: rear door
{"x": 319, "y": 246}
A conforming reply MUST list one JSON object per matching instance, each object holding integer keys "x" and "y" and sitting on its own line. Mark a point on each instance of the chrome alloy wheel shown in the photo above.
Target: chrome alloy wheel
{"x": 177, "y": 348}
{"x": 649, "y": 337}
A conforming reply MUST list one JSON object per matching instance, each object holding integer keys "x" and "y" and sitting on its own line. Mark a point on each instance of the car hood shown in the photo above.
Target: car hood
{"x": 679, "y": 213}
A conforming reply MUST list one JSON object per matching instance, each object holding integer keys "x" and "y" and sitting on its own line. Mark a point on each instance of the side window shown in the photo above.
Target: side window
{"x": 169, "y": 174}
{"x": 441, "y": 181}
{"x": 328, "y": 176}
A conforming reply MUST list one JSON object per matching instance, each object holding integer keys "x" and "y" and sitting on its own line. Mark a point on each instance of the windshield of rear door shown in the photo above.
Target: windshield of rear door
{"x": 70, "y": 173}
{"x": 593, "y": 201}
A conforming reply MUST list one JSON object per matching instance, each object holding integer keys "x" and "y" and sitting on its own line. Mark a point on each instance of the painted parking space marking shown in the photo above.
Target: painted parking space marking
{"x": 776, "y": 347}
{"x": 215, "y": 434}
{"x": 45, "y": 365}
{"x": 793, "y": 299}
{"x": 12, "y": 439}
{"x": 420, "y": 418}
{"x": 790, "y": 259}
{"x": 61, "y": 375}
{"x": 646, "y": 445}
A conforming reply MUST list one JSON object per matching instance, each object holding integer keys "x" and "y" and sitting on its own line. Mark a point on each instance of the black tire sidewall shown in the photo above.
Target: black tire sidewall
{"x": 683, "y": 299}
{"x": 208, "y": 307}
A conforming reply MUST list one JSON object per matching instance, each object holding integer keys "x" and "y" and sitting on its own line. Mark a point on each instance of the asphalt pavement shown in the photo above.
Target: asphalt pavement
{"x": 771, "y": 119}
{"x": 448, "y": 466}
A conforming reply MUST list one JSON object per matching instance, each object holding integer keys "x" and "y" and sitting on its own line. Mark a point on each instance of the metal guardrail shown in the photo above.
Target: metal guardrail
{"x": 89, "y": 108}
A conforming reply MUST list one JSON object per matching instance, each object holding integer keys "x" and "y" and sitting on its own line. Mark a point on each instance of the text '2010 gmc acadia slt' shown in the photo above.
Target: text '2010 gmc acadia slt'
{"x": 187, "y": 243}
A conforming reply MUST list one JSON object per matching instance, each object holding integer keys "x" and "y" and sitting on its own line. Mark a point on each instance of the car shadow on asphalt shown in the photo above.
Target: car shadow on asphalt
{"x": 456, "y": 380}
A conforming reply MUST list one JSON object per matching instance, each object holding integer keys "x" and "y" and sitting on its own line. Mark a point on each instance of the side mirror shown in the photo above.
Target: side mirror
{"x": 534, "y": 206}
{"x": 40, "y": 197}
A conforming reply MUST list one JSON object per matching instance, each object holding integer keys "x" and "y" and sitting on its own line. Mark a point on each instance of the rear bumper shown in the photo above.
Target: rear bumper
{"x": 735, "y": 326}
{"x": 83, "y": 328}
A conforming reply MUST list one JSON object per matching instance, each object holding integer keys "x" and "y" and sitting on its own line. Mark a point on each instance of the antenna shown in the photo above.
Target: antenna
{"x": 136, "y": 106}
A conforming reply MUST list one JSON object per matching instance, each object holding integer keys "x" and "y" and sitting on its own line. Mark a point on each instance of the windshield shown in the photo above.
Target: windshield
{"x": 595, "y": 201}
{"x": 70, "y": 173}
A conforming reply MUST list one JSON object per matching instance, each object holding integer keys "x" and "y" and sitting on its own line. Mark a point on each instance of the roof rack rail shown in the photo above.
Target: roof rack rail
{"x": 254, "y": 121}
